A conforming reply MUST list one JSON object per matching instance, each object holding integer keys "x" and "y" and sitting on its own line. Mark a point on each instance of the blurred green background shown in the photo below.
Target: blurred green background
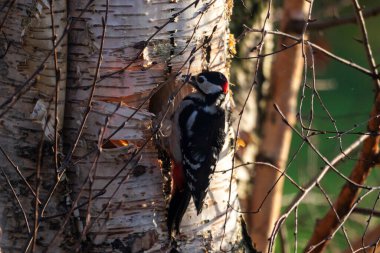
{"x": 348, "y": 95}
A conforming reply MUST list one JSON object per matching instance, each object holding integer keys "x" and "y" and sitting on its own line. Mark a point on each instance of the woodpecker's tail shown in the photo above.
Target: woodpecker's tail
{"x": 177, "y": 208}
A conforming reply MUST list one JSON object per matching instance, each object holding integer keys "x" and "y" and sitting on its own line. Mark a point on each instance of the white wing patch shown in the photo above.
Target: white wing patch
{"x": 191, "y": 186}
{"x": 191, "y": 176}
{"x": 199, "y": 157}
{"x": 210, "y": 109}
{"x": 194, "y": 166}
{"x": 190, "y": 123}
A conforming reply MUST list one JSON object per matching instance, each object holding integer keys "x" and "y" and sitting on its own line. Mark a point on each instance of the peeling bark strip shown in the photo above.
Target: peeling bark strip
{"x": 27, "y": 30}
{"x": 146, "y": 44}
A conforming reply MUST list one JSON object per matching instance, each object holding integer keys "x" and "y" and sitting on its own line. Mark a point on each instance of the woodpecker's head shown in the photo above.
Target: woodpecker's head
{"x": 210, "y": 83}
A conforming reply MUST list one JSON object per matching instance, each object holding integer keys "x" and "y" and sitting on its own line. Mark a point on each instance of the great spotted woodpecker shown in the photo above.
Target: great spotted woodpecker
{"x": 199, "y": 128}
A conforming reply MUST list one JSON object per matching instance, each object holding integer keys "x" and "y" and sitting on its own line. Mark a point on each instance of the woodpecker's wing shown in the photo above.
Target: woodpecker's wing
{"x": 202, "y": 138}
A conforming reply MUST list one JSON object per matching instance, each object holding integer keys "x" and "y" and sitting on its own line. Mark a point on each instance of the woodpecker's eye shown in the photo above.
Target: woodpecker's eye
{"x": 200, "y": 79}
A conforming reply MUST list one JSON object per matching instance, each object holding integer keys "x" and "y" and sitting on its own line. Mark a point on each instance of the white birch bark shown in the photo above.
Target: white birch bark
{"x": 135, "y": 218}
{"x": 120, "y": 212}
{"x": 28, "y": 117}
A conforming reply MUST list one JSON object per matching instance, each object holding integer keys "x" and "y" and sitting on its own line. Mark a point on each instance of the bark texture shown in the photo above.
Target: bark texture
{"x": 130, "y": 213}
{"x": 28, "y": 86}
{"x": 103, "y": 191}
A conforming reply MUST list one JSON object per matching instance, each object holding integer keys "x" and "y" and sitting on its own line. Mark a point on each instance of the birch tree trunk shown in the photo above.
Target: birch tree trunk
{"x": 122, "y": 202}
{"x": 104, "y": 191}
{"x": 33, "y": 74}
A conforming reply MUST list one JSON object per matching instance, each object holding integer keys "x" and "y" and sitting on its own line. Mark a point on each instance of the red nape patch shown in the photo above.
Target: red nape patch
{"x": 225, "y": 87}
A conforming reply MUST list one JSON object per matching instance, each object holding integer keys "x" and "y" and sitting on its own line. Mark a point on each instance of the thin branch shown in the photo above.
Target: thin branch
{"x": 74, "y": 204}
{"x": 366, "y": 211}
{"x": 322, "y": 50}
{"x": 88, "y": 107}
{"x": 312, "y": 183}
{"x": 15, "y": 167}
{"x": 38, "y": 188}
{"x": 333, "y": 22}
{"x": 370, "y": 218}
{"x": 146, "y": 43}
{"x": 8, "y": 103}
{"x": 311, "y": 145}
{"x": 321, "y": 243}
{"x": 17, "y": 199}
{"x": 132, "y": 161}
{"x": 92, "y": 92}
{"x": 296, "y": 230}
{"x": 103, "y": 190}
{"x": 7, "y": 13}
{"x": 189, "y": 60}
{"x": 285, "y": 47}
{"x": 57, "y": 79}
{"x": 336, "y": 214}
{"x": 362, "y": 168}
{"x": 259, "y": 48}
{"x": 371, "y": 240}
{"x": 282, "y": 173}
{"x": 363, "y": 29}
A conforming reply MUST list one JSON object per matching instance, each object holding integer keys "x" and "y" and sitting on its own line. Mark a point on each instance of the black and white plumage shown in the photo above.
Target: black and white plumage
{"x": 199, "y": 129}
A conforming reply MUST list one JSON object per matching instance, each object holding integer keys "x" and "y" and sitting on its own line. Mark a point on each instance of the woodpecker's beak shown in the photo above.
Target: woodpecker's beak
{"x": 189, "y": 79}
{"x": 193, "y": 82}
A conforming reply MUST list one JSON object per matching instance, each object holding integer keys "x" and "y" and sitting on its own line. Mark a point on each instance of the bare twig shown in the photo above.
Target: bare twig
{"x": 363, "y": 29}
{"x": 57, "y": 79}
{"x": 92, "y": 92}
{"x": 322, "y": 243}
{"x": 88, "y": 107}
{"x": 319, "y": 25}
{"x": 371, "y": 240}
{"x": 322, "y": 50}
{"x": 285, "y": 47}
{"x": 259, "y": 48}
{"x": 146, "y": 43}
{"x": 370, "y": 218}
{"x": 282, "y": 173}
{"x": 275, "y": 144}
{"x": 296, "y": 230}
{"x": 128, "y": 164}
{"x": 366, "y": 211}
{"x": 345, "y": 201}
{"x": 38, "y": 188}
{"x": 15, "y": 167}
{"x": 17, "y": 199}
{"x": 312, "y": 183}
{"x": 7, "y": 13}
{"x": 8, "y": 103}
{"x": 336, "y": 214}
{"x": 103, "y": 190}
